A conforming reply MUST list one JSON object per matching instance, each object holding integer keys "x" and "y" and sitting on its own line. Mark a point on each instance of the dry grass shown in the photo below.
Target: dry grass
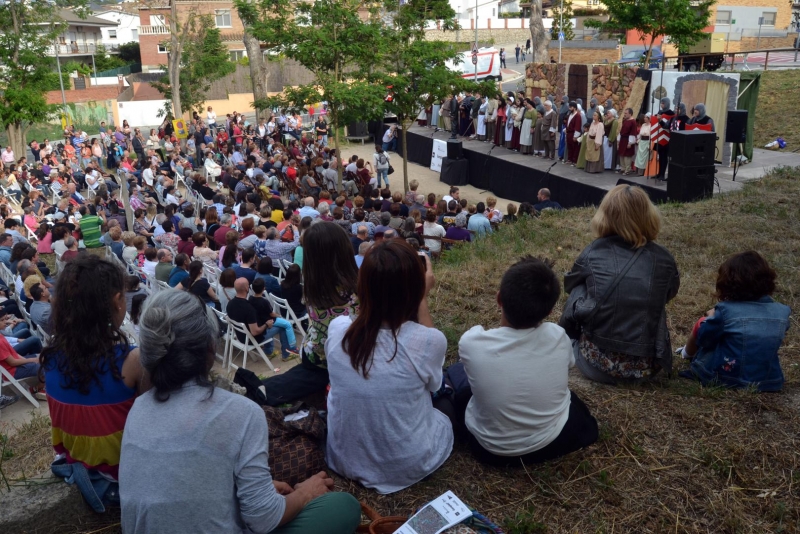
{"x": 777, "y": 91}
{"x": 672, "y": 456}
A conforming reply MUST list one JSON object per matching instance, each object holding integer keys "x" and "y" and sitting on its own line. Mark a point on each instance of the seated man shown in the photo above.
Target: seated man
{"x": 164, "y": 266}
{"x": 40, "y": 308}
{"x": 521, "y": 407}
{"x": 180, "y": 271}
{"x": 239, "y": 309}
{"x": 545, "y": 203}
{"x": 265, "y": 313}
{"x": 244, "y": 269}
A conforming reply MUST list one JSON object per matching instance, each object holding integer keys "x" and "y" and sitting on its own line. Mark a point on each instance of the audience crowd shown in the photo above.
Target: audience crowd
{"x": 122, "y": 341}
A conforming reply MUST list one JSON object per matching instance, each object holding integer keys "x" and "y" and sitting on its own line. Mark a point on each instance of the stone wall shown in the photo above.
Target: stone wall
{"x": 612, "y": 82}
{"x": 500, "y": 36}
{"x": 765, "y": 43}
{"x": 588, "y": 56}
{"x": 543, "y": 79}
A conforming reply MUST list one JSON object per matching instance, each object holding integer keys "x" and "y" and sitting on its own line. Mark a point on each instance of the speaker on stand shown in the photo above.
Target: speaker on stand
{"x": 454, "y": 149}
{"x": 736, "y": 133}
{"x": 691, "y": 166}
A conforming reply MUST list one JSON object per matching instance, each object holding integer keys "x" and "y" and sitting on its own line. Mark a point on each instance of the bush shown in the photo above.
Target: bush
{"x": 589, "y": 12}
{"x": 515, "y": 15}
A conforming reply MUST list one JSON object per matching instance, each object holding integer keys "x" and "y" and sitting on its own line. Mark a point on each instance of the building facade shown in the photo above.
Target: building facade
{"x": 80, "y": 39}
{"x": 126, "y": 30}
{"x": 154, "y": 35}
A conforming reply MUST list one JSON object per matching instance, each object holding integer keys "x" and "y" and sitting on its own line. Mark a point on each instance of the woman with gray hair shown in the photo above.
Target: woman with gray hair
{"x": 183, "y": 423}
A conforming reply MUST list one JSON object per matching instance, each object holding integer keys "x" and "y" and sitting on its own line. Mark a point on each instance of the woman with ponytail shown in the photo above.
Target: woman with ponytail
{"x": 92, "y": 376}
{"x": 195, "y": 458}
{"x": 383, "y": 430}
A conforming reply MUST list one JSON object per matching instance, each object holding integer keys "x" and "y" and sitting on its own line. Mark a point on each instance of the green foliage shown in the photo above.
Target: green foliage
{"x": 73, "y": 66}
{"x": 556, "y": 14}
{"x": 588, "y": 12}
{"x": 244, "y": 61}
{"x": 682, "y": 20}
{"x": 514, "y": 15}
{"x": 129, "y": 53}
{"x": 204, "y": 59}
{"x": 28, "y": 29}
{"x": 104, "y": 61}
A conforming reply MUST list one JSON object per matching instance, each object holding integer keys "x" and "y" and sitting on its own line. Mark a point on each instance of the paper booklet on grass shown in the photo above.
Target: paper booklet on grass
{"x": 436, "y": 516}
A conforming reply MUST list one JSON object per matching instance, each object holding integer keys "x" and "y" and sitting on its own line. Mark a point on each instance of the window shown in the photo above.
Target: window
{"x": 222, "y": 18}
{"x": 236, "y": 55}
{"x": 157, "y": 20}
{"x": 769, "y": 18}
{"x": 135, "y": 35}
{"x": 112, "y": 34}
{"x": 723, "y": 17}
{"x": 163, "y": 48}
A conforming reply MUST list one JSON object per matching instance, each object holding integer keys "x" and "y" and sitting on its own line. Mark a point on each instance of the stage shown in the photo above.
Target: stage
{"x": 518, "y": 177}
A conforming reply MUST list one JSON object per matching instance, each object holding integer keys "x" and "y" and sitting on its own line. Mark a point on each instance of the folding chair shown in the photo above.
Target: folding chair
{"x": 282, "y": 308}
{"x": 7, "y": 379}
{"x": 6, "y": 275}
{"x": 162, "y": 286}
{"x": 41, "y": 334}
{"x": 223, "y": 319}
{"x": 283, "y": 266}
{"x": 249, "y": 344}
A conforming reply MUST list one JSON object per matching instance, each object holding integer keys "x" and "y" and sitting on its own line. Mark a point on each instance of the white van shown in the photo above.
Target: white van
{"x": 488, "y": 65}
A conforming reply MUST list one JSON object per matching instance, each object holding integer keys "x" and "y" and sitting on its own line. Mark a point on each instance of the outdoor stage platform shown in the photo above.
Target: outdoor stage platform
{"x": 519, "y": 177}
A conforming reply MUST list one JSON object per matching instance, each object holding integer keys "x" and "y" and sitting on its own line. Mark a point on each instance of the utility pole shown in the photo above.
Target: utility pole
{"x": 61, "y": 82}
{"x": 476, "y": 38}
{"x": 560, "y": 30}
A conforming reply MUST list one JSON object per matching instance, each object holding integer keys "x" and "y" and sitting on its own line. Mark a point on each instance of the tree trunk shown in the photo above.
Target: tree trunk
{"x": 16, "y": 138}
{"x": 335, "y": 124}
{"x": 539, "y": 37}
{"x": 174, "y": 66}
{"x": 258, "y": 70}
{"x": 406, "y": 124}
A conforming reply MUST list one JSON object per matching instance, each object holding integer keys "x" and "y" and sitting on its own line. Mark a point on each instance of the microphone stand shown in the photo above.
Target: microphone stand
{"x": 484, "y": 169}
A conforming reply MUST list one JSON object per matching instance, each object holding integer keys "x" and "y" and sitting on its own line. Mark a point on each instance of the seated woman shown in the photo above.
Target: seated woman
{"x": 736, "y": 344}
{"x": 383, "y": 430}
{"x": 618, "y": 291}
{"x": 92, "y": 375}
{"x": 184, "y": 422}
{"x": 197, "y": 285}
{"x": 521, "y": 407}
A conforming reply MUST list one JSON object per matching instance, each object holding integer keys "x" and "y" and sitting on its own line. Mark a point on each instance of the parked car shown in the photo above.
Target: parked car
{"x": 637, "y": 57}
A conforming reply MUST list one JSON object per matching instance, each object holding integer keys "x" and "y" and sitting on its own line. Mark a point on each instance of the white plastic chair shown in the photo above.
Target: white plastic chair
{"x": 6, "y": 379}
{"x": 282, "y": 308}
{"x": 249, "y": 344}
{"x": 223, "y": 318}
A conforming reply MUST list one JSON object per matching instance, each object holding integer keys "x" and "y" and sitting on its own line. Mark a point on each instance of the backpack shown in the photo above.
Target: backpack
{"x": 382, "y": 159}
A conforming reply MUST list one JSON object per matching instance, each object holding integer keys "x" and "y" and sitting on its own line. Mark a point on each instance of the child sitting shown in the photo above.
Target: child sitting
{"x": 736, "y": 344}
{"x": 521, "y": 406}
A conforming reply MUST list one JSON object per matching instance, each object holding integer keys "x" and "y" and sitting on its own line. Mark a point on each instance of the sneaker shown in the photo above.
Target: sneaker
{"x": 291, "y": 354}
{"x": 39, "y": 394}
{"x": 6, "y": 400}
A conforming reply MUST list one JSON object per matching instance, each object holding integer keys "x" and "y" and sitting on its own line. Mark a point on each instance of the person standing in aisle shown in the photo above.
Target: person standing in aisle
{"x": 502, "y": 58}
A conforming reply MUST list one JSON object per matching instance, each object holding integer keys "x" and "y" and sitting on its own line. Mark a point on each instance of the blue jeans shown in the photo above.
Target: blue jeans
{"x": 31, "y": 345}
{"x": 26, "y": 371}
{"x": 279, "y": 331}
{"x": 382, "y": 173}
{"x": 390, "y": 146}
{"x": 289, "y": 329}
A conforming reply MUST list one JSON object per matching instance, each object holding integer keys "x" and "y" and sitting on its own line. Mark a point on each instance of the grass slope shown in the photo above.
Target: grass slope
{"x": 777, "y": 90}
{"x": 672, "y": 457}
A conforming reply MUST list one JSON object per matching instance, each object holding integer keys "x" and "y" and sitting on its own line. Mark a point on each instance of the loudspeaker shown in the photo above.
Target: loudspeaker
{"x": 688, "y": 183}
{"x": 453, "y": 149}
{"x": 357, "y": 129}
{"x": 692, "y": 148}
{"x": 736, "y": 126}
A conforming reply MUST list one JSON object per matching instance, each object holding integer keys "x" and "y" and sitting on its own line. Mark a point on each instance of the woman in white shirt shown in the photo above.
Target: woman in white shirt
{"x": 211, "y": 120}
{"x": 383, "y": 430}
{"x": 431, "y": 228}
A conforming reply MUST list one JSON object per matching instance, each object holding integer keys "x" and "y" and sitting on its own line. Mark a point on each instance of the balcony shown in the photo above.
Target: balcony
{"x": 73, "y": 49}
{"x": 154, "y": 30}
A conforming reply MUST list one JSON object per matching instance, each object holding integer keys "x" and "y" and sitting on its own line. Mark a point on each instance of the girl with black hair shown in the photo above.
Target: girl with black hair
{"x": 92, "y": 375}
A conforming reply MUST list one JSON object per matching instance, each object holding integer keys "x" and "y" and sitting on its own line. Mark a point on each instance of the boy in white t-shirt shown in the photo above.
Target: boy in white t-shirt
{"x": 521, "y": 406}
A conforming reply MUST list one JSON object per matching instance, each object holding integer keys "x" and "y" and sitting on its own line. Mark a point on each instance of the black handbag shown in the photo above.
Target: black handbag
{"x": 391, "y": 169}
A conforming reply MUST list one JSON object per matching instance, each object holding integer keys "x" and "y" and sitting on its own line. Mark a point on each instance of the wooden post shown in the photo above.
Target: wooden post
{"x": 702, "y": 62}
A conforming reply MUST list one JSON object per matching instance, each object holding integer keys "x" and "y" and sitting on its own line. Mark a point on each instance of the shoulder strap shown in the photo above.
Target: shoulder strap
{"x": 615, "y": 283}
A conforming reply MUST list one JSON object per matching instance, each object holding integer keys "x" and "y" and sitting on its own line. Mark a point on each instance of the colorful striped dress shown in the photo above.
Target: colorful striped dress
{"x": 88, "y": 428}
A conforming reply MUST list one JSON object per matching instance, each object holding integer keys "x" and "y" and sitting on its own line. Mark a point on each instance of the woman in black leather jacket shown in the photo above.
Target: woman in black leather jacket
{"x": 619, "y": 288}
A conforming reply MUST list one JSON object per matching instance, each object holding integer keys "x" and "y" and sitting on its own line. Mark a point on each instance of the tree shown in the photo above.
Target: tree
{"x": 539, "y": 36}
{"x": 416, "y": 68}
{"x": 270, "y": 28}
{"x": 29, "y": 29}
{"x": 339, "y": 48}
{"x": 129, "y": 53}
{"x": 562, "y": 10}
{"x": 104, "y": 61}
{"x": 204, "y": 59}
{"x": 682, "y": 20}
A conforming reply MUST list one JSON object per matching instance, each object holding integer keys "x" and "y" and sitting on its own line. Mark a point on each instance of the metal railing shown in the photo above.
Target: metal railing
{"x": 73, "y": 49}
{"x": 730, "y": 57}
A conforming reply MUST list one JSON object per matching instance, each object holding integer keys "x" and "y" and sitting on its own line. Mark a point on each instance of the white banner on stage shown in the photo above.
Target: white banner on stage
{"x": 439, "y": 152}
